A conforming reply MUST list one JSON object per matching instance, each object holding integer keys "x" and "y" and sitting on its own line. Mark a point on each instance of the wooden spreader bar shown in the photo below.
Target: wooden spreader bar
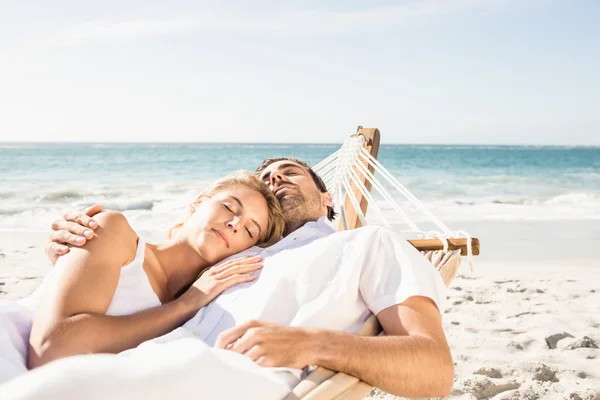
{"x": 453, "y": 244}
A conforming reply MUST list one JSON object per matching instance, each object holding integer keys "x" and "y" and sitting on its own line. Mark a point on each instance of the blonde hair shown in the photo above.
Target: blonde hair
{"x": 275, "y": 223}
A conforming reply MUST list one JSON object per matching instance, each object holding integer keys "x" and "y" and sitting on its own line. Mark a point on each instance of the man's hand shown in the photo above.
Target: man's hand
{"x": 74, "y": 229}
{"x": 271, "y": 345}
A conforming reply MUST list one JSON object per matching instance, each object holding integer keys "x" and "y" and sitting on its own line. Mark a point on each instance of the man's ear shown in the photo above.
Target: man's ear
{"x": 326, "y": 200}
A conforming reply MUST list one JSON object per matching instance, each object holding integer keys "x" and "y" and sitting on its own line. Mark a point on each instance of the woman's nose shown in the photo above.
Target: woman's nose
{"x": 233, "y": 224}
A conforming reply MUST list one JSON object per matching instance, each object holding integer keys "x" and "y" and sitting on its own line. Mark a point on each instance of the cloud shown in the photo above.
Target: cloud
{"x": 287, "y": 22}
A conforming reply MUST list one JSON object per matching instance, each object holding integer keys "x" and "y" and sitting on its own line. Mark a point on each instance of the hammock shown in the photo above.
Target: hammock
{"x": 349, "y": 174}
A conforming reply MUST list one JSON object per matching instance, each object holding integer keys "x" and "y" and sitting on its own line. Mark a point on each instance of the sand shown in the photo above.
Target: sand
{"x": 518, "y": 329}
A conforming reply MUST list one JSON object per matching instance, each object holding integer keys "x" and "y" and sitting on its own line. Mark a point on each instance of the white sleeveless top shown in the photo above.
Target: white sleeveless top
{"x": 134, "y": 292}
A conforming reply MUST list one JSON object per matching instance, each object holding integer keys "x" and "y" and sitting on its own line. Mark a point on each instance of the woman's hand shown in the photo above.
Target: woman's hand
{"x": 216, "y": 280}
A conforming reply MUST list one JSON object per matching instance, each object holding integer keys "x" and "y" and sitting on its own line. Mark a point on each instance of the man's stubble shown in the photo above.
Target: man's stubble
{"x": 299, "y": 209}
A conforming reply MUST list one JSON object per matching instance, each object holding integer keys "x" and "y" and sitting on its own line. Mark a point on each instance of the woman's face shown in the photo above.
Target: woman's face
{"x": 230, "y": 221}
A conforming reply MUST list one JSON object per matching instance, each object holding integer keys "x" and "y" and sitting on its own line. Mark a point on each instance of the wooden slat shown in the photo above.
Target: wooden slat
{"x": 310, "y": 383}
{"x": 453, "y": 244}
{"x": 332, "y": 387}
{"x": 359, "y": 391}
{"x": 372, "y": 136}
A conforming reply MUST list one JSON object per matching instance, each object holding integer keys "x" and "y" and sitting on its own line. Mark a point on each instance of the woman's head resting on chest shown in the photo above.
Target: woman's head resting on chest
{"x": 229, "y": 216}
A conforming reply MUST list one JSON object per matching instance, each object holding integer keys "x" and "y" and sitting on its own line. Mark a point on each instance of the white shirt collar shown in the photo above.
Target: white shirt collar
{"x": 312, "y": 229}
{"x": 322, "y": 223}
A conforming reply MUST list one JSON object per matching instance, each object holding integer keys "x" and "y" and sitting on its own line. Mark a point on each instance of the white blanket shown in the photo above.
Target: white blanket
{"x": 16, "y": 319}
{"x": 182, "y": 368}
{"x": 175, "y": 365}
{"x": 15, "y": 325}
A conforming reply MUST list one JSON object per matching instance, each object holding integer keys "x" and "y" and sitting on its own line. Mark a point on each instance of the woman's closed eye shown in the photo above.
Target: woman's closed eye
{"x": 231, "y": 211}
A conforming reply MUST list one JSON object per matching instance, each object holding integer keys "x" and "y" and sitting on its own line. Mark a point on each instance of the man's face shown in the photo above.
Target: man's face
{"x": 296, "y": 191}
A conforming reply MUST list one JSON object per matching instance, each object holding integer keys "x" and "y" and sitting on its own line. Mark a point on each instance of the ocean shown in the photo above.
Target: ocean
{"x": 152, "y": 183}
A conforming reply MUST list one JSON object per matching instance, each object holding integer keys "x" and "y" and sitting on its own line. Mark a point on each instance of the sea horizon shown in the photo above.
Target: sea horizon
{"x": 500, "y": 145}
{"x": 499, "y": 192}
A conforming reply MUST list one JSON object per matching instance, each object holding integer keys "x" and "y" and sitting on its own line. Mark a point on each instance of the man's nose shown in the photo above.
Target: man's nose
{"x": 276, "y": 177}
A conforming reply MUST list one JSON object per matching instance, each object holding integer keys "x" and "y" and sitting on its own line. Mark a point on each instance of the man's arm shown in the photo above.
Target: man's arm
{"x": 412, "y": 361}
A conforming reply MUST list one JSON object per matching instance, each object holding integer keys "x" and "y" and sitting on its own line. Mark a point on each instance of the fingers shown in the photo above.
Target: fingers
{"x": 238, "y": 269}
{"x": 229, "y": 336}
{"x": 256, "y": 354}
{"x": 93, "y": 210}
{"x": 55, "y": 250}
{"x": 72, "y": 227}
{"x": 253, "y": 353}
{"x": 237, "y": 261}
{"x": 236, "y": 279}
{"x": 221, "y": 285}
{"x": 81, "y": 219}
{"x": 75, "y": 229}
{"x": 249, "y": 340}
{"x": 66, "y": 237}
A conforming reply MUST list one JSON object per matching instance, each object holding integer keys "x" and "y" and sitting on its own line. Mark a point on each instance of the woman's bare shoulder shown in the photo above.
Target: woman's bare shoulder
{"x": 114, "y": 233}
{"x": 112, "y": 220}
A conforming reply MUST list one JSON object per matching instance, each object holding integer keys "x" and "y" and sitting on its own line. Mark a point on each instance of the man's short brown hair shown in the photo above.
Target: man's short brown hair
{"x": 316, "y": 178}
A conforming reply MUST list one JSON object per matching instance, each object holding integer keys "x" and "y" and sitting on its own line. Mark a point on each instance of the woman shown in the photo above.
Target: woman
{"x": 118, "y": 291}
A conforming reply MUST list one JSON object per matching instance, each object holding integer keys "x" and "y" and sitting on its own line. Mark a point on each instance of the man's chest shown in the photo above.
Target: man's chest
{"x": 317, "y": 261}
{"x": 302, "y": 286}
{"x": 291, "y": 275}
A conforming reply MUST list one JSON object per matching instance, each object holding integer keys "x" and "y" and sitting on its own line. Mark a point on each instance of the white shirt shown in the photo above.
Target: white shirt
{"x": 317, "y": 277}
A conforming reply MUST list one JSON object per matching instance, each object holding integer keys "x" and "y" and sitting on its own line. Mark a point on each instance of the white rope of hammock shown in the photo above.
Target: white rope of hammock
{"x": 346, "y": 167}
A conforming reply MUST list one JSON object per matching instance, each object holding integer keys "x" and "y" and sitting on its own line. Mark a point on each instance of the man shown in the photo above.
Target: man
{"x": 316, "y": 288}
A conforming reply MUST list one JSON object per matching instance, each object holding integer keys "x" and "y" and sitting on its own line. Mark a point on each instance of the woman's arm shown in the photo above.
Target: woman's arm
{"x": 72, "y": 321}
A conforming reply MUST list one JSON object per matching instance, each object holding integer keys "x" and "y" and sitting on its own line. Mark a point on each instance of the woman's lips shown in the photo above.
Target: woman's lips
{"x": 221, "y": 236}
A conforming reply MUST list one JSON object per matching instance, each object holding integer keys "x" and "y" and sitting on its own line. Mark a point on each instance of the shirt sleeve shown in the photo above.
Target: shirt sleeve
{"x": 394, "y": 270}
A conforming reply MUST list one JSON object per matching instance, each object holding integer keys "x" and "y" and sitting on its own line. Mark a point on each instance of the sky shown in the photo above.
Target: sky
{"x": 422, "y": 71}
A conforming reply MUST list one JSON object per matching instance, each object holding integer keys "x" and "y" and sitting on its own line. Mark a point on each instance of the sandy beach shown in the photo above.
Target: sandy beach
{"x": 526, "y": 329}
